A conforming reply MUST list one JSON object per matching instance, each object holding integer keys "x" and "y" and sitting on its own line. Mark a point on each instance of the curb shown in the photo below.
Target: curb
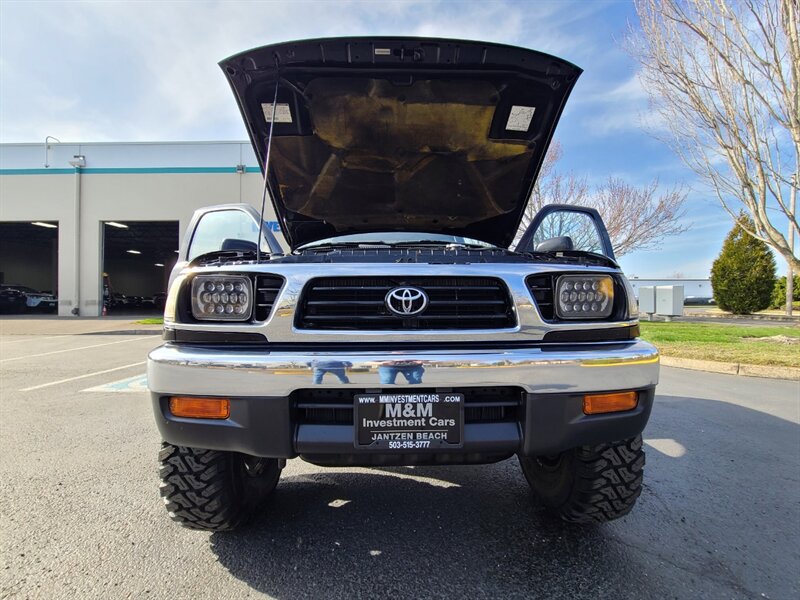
{"x": 728, "y": 368}
{"x": 756, "y": 317}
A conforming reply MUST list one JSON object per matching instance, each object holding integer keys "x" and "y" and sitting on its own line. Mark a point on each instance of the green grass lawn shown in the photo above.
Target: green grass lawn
{"x": 726, "y": 343}
{"x": 153, "y": 321}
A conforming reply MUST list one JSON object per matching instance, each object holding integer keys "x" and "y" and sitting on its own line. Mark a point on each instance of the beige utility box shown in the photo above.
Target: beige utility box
{"x": 669, "y": 300}
{"x": 647, "y": 300}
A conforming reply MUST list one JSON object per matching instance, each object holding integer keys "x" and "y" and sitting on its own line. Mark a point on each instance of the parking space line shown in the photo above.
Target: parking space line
{"x": 137, "y": 339}
{"x": 34, "y": 338}
{"x": 84, "y": 376}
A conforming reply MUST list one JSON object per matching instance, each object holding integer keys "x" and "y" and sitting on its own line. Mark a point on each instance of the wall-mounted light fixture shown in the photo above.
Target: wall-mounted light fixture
{"x": 47, "y": 149}
{"x": 241, "y": 169}
{"x": 78, "y": 161}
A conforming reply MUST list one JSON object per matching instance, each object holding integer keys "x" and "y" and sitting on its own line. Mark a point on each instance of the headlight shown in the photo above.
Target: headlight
{"x": 584, "y": 296}
{"x": 222, "y": 298}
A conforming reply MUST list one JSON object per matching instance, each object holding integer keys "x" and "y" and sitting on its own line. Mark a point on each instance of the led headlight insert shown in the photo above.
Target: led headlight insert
{"x": 584, "y": 296}
{"x": 222, "y": 298}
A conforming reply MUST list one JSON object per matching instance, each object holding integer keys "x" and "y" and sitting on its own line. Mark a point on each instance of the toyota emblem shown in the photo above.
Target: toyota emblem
{"x": 406, "y": 301}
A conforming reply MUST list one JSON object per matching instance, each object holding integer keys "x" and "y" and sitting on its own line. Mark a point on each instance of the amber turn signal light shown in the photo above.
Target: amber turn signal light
{"x": 595, "y": 404}
{"x": 200, "y": 408}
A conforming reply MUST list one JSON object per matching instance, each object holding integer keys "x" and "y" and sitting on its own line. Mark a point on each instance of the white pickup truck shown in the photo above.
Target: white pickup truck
{"x": 403, "y": 326}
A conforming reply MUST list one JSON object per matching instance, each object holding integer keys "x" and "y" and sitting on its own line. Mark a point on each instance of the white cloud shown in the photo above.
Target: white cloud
{"x": 623, "y": 108}
{"x": 630, "y": 90}
{"x": 137, "y": 71}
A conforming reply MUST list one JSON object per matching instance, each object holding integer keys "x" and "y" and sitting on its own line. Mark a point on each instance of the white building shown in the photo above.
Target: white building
{"x": 69, "y": 212}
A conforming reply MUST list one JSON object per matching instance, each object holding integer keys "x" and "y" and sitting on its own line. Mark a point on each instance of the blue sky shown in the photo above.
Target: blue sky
{"x": 115, "y": 71}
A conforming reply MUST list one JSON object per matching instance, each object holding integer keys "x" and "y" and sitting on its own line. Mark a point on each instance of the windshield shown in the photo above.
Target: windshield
{"x": 396, "y": 238}
{"x": 230, "y": 230}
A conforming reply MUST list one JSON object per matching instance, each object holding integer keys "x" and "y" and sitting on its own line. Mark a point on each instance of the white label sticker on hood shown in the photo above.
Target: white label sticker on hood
{"x": 282, "y": 112}
{"x": 519, "y": 119}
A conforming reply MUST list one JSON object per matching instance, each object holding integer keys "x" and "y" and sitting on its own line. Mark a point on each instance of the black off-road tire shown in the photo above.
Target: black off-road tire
{"x": 588, "y": 484}
{"x": 213, "y": 490}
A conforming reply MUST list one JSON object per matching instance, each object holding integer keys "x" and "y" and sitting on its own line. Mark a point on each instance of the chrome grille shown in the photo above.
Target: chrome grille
{"x": 266, "y": 291}
{"x": 541, "y": 288}
{"x": 358, "y": 303}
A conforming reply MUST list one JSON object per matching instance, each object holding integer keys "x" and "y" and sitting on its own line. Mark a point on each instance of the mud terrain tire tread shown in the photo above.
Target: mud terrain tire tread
{"x": 596, "y": 484}
{"x": 203, "y": 489}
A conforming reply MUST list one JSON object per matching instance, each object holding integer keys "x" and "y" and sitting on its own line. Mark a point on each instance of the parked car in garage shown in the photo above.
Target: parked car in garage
{"x": 119, "y": 300}
{"x": 11, "y": 300}
{"x": 35, "y": 300}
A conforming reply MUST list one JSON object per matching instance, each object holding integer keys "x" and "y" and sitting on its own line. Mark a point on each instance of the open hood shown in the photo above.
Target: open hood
{"x": 400, "y": 134}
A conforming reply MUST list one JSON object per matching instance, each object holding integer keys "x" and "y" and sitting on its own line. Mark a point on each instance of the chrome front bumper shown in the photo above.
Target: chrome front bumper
{"x": 182, "y": 369}
{"x": 265, "y": 419}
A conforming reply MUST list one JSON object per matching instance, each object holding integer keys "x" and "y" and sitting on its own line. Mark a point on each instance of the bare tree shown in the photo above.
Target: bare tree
{"x": 639, "y": 218}
{"x": 724, "y": 75}
{"x": 636, "y": 218}
{"x": 554, "y": 187}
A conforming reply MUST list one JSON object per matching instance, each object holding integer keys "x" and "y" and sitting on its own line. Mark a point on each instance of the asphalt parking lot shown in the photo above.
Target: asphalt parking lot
{"x": 80, "y": 515}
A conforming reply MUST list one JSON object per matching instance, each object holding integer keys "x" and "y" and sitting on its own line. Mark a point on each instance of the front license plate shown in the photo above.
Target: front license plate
{"x": 413, "y": 421}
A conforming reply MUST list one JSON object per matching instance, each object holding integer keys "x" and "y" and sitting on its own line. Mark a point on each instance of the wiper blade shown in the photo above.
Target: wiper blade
{"x": 441, "y": 243}
{"x": 397, "y": 244}
{"x": 336, "y": 245}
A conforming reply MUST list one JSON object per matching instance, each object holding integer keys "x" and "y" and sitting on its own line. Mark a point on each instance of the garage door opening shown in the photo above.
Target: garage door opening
{"x": 137, "y": 259}
{"x": 29, "y": 265}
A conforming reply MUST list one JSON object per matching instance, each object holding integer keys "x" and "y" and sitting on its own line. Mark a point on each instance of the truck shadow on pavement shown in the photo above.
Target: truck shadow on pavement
{"x": 475, "y": 532}
{"x": 382, "y": 534}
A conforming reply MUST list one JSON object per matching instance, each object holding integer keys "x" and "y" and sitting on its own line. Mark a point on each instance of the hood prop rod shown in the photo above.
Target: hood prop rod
{"x": 266, "y": 164}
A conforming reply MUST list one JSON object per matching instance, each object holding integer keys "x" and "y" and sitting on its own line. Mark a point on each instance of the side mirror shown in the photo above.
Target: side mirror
{"x": 581, "y": 225}
{"x": 557, "y": 244}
